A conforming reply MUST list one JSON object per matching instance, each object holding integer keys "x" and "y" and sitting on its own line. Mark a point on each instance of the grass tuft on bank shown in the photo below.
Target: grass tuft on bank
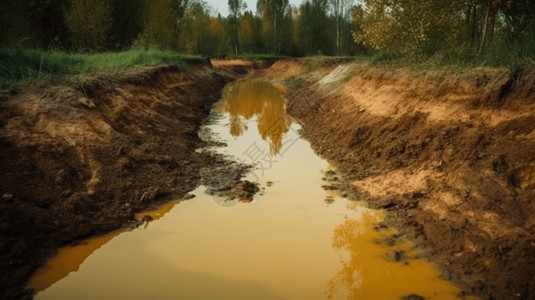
{"x": 514, "y": 57}
{"x": 21, "y": 67}
{"x": 259, "y": 56}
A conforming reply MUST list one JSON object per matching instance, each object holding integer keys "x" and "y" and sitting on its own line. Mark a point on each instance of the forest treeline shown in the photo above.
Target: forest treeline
{"x": 459, "y": 28}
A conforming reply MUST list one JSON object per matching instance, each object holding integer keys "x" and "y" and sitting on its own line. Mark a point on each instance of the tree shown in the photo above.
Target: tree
{"x": 201, "y": 33}
{"x": 251, "y": 33}
{"x": 89, "y": 22}
{"x": 275, "y": 15}
{"x": 519, "y": 21}
{"x": 313, "y": 27}
{"x": 217, "y": 43}
{"x": 159, "y": 30}
{"x": 235, "y": 9}
{"x": 407, "y": 26}
{"x": 127, "y": 23}
{"x": 341, "y": 12}
{"x": 33, "y": 24}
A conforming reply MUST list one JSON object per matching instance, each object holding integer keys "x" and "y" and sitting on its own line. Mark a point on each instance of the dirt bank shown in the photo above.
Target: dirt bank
{"x": 77, "y": 162}
{"x": 450, "y": 156}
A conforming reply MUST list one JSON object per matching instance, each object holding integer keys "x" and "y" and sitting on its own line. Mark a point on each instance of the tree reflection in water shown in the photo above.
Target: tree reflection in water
{"x": 244, "y": 99}
{"x": 370, "y": 274}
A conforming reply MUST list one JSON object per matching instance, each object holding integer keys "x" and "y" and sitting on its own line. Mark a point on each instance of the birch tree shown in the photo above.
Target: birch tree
{"x": 341, "y": 10}
{"x": 235, "y": 10}
{"x": 273, "y": 14}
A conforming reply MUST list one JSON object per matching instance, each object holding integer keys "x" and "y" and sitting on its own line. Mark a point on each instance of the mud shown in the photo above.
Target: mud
{"x": 449, "y": 156}
{"x": 81, "y": 161}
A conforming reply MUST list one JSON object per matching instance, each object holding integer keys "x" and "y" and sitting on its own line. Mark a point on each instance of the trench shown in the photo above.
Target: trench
{"x": 302, "y": 236}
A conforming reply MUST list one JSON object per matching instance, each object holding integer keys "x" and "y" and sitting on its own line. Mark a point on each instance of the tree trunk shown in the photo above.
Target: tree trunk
{"x": 485, "y": 26}
{"x": 474, "y": 26}
{"x": 492, "y": 23}
{"x": 338, "y": 35}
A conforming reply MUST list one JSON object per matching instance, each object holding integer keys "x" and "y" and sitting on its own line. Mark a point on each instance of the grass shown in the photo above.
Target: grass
{"x": 20, "y": 67}
{"x": 513, "y": 57}
{"x": 259, "y": 56}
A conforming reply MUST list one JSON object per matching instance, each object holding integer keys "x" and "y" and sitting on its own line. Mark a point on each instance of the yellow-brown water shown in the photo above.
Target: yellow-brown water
{"x": 289, "y": 243}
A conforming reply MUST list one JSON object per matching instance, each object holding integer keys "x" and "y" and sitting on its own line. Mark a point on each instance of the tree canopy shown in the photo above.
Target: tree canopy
{"x": 329, "y": 27}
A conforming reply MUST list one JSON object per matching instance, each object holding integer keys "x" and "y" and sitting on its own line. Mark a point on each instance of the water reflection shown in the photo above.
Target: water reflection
{"x": 376, "y": 269}
{"x": 245, "y": 99}
{"x": 69, "y": 258}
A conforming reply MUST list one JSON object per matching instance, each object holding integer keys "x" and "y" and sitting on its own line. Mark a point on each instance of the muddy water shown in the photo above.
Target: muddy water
{"x": 299, "y": 238}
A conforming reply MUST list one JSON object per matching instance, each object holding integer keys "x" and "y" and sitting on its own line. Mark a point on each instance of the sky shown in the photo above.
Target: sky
{"x": 222, "y": 5}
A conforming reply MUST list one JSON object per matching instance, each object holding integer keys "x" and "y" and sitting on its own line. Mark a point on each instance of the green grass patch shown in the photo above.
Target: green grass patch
{"x": 513, "y": 57}
{"x": 20, "y": 67}
{"x": 382, "y": 56}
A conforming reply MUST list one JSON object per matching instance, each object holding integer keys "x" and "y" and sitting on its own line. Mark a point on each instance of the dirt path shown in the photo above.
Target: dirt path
{"x": 451, "y": 158}
{"x": 77, "y": 162}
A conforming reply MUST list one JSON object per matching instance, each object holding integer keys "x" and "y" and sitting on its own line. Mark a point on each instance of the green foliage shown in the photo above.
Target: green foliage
{"x": 22, "y": 67}
{"x": 235, "y": 12}
{"x": 201, "y": 33}
{"x": 488, "y": 32}
{"x": 250, "y": 32}
{"x": 312, "y": 24}
{"x": 159, "y": 31}
{"x": 89, "y": 22}
{"x": 458, "y": 32}
{"x": 381, "y": 56}
{"x": 36, "y": 23}
{"x": 276, "y": 23}
{"x": 188, "y": 26}
{"x": 126, "y": 25}
{"x": 514, "y": 57}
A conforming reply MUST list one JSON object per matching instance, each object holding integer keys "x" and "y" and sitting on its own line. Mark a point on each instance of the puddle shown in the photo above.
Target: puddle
{"x": 294, "y": 240}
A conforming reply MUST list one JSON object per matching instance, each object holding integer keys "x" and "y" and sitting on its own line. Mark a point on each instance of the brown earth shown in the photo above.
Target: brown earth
{"x": 78, "y": 162}
{"x": 451, "y": 158}
{"x": 450, "y": 155}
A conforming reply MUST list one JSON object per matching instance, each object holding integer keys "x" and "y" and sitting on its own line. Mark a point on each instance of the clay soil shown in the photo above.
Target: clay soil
{"x": 450, "y": 155}
{"x": 81, "y": 161}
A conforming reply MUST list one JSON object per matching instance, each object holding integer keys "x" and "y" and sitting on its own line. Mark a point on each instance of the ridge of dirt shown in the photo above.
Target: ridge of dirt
{"x": 451, "y": 159}
{"x": 77, "y": 162}
{"x": 242, "y": 66}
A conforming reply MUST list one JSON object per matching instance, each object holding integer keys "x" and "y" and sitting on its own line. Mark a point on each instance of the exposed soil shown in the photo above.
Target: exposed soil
{"x": 450, "y": 156}
{"x": 78, "y": 162}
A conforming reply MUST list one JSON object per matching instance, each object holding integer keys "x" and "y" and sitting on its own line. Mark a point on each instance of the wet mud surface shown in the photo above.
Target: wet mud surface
{"x": 451, "y": 160}
{"x": 79, "y": 162}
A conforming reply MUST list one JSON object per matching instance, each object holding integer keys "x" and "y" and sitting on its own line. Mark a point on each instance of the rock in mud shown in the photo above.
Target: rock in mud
{"x": 413, "y": 297}
{"x": 7, "y": 197}
{"x": 245, "y": 190}
{"x": 189, "y": 196}
{"x": 394, "y": 255}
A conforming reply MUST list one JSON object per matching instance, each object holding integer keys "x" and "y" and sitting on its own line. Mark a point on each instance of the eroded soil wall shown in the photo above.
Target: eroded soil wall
{"x": 77, "y": 162}
{"x": 450, "y": 156}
